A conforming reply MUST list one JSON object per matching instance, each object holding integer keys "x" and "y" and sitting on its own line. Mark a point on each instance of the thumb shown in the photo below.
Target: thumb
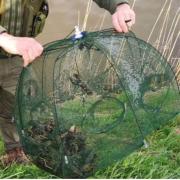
{"x": 26, "y": 59}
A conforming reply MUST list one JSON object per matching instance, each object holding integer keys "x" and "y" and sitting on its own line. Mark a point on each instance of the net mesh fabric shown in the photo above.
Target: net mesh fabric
{"x": 86, "y": 104}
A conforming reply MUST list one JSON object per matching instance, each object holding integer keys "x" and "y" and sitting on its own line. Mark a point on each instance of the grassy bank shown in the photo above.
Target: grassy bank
{"x": 160, "y": 160}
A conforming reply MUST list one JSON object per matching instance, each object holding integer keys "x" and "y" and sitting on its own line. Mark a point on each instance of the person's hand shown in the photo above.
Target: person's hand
{"x": 123, "y": 18}
{"x": 26, "y": 47}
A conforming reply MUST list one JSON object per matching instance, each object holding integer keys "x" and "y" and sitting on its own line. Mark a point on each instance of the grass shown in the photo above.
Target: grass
{"x": 160, "y": 160}
{"x": 21, "y": 171}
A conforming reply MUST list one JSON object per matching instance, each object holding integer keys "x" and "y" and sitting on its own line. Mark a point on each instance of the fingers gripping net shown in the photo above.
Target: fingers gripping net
{"x": 88, "y": 103}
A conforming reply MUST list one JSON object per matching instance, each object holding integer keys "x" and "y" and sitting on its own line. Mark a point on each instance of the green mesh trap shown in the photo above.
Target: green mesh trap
{"x": 87, "y": 103}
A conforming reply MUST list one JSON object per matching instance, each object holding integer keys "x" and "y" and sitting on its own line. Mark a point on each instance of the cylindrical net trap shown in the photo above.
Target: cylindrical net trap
{"x": 89, "y": 102}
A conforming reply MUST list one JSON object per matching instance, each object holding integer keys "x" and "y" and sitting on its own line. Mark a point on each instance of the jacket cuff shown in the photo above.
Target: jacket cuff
{"x": 115, "y": 3}
{"x": 2, "y": 29}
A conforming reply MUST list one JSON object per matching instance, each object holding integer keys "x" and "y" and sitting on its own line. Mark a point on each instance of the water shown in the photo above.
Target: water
{"x": 64, "y": 16}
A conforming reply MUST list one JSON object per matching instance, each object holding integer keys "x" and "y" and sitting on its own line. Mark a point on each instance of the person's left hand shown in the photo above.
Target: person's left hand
{"x": 123, "y": 18}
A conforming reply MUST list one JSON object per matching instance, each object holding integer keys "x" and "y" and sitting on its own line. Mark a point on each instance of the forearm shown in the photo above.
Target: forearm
{"x": 2, "y": 37}
{"x": 2, "y": 29}
{"x": 110, "y": 5}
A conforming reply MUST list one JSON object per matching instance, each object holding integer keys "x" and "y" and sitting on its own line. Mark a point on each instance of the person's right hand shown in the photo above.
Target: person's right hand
{"x": 123, "y": 18}
{"x": 26, "y": 47}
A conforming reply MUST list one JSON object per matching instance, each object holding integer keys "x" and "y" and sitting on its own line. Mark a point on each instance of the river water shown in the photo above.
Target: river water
{"x": 64, "y": 15}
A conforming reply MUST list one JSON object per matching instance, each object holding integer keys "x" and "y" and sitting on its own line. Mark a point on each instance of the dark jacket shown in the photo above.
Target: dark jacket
{"x": 110, "y": 5}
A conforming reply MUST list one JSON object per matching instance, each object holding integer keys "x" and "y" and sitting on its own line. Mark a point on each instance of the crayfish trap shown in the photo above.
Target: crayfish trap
{"x": 89, "y": 102}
